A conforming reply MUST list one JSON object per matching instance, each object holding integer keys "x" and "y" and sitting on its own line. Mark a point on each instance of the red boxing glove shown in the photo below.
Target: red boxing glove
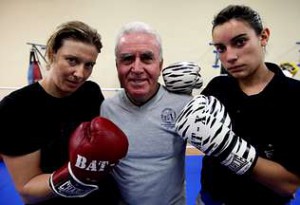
{"x": 94, "y": 149}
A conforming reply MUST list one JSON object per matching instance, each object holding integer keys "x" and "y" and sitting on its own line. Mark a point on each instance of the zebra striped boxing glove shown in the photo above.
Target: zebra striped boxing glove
{"x": 182, "y": 77}
{"x": 205, "y": 124}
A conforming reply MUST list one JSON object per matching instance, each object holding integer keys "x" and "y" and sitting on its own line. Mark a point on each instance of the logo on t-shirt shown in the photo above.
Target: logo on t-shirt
{"x": 168, "y": 117}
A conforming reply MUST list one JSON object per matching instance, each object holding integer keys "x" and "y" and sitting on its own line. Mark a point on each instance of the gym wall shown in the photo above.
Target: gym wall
{"x": 185, "y": 28}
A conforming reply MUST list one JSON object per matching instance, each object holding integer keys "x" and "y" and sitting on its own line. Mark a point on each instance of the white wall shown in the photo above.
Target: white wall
{"x": 184, "y": 25}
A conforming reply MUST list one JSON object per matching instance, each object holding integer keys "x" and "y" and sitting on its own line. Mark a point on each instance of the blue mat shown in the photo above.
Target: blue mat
{"x": 8, "y": 194}
{"x": 193, "y": 167}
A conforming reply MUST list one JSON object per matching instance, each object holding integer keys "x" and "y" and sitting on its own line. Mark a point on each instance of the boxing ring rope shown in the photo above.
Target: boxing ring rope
{"x": 4, "y": 90}
{"x": 15, "y": 88}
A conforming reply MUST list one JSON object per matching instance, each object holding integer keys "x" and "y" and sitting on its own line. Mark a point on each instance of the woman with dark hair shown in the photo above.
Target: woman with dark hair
{"x": 259, "y": 99}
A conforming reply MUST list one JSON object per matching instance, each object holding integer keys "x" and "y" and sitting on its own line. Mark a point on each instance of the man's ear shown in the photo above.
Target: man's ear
{"x": 161, "y": 64}
{"x": 116, "y": 63}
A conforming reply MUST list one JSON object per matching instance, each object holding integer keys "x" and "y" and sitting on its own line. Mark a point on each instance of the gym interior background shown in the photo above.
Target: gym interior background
{"x": 185, "y": 28}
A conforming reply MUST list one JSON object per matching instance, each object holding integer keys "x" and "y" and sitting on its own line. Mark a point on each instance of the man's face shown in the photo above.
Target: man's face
{"x": 139, "y": 66}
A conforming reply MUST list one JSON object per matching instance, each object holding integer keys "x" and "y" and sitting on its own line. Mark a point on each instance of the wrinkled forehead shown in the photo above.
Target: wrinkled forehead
{"x": 138, "y": 42}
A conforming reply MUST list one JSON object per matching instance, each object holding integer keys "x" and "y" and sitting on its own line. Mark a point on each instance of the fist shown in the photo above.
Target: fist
{"x": 95, "y": 148}
{"x": 204, "y": 123}
{"x": 182, "y": 77}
